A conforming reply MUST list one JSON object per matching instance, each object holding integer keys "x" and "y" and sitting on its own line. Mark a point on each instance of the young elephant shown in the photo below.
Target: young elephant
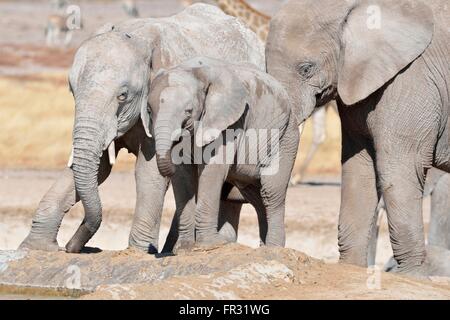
{"x": 203, "y": 98}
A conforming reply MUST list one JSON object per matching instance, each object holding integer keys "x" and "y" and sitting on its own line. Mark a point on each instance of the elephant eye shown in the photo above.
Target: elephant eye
{"x": 306, "y": 69}
{"x": 123, "y": 97}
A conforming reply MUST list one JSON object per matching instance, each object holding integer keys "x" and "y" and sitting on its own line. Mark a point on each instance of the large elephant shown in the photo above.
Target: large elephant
{"x": 110, "y": 77}
{"x": 240, "y": 120}
{"x": 387, "y": 65}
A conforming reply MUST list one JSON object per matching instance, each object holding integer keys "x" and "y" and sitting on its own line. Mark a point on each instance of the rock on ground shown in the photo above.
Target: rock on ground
{"x": 230, "y": 272}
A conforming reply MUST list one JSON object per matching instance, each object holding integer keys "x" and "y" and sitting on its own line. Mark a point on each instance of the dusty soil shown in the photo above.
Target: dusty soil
{"x": 230, "y": 272}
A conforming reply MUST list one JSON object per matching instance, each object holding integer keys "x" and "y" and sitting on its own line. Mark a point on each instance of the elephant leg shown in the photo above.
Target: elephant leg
{"x": 182, "y": 230}
{"x": 374, "y": 234}
{"x": 151, "y": 188}
{"x": 229, "y": 216}
{"x": 439, "y": 231}
{"x": 253, "y": 195}
{"x": 210, "y": 183}
{"x": 54, "y": 205}
{"x": 359, "y": 200}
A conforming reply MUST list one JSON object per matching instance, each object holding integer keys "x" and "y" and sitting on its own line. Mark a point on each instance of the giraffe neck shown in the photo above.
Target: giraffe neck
{"x": 257, "y": 21}
{"x": 239, "y": 8}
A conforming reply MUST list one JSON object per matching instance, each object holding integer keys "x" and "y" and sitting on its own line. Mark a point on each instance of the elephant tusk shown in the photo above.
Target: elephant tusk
{"x": 301, "y": 128}
{"x": 112, "y": 153}
{"x": 70, "y": 163}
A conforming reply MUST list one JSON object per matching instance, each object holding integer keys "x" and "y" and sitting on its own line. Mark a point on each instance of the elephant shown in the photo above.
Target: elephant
{"x": 110, "y": 80}
{"x": 386, "y": 64}
{"x": 240, "y": 119}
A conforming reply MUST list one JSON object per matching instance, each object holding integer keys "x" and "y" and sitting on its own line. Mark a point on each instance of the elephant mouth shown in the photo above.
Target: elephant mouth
{"x": 325, "y": 96}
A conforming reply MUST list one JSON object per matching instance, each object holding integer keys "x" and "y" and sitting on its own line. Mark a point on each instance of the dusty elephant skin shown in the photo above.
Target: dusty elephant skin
{"x": 209, "y": 100}
{"x": 387, "y": 65}
{"x": 109, "y": 79}
{"x": 231, "y": 272}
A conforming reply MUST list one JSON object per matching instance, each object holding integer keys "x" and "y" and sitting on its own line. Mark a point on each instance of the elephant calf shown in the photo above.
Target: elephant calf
{"x": 240, "y": 119}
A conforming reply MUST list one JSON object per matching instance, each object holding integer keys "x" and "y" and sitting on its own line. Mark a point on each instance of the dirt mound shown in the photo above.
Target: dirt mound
{"x": 231, "y": 272}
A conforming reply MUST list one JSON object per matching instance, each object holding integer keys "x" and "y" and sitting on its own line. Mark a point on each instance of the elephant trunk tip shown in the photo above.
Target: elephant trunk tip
{"x": 165, "y": 165}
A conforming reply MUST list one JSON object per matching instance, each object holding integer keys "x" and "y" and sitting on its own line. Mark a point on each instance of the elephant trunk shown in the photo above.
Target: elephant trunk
{"x": 87, "y": 151}
{"x": 163, "y": 136}
{"x": 165, "y": 164}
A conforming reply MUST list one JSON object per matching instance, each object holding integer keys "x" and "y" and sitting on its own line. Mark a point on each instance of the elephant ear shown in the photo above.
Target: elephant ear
{"x": 152, "y": 53}
{"x": 225, "y": 103}
{"x": 379, "y": 39}
{"x": 146, "y": 115}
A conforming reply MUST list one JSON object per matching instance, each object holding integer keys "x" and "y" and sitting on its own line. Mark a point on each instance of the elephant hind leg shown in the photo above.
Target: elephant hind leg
{"x": 229, "y": 216}
{"x": 439, "y": 231}
{"x": 253, "y": 195}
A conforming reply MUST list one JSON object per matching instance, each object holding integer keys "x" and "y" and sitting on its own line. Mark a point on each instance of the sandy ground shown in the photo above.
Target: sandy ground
{"x": 229, "y": 272}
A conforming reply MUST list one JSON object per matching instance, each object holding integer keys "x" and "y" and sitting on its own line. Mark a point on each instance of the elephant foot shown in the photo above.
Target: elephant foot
{"x": 183, "y": 247}
{"x": 210, "y": 242}
{"x": 31, "y": 243}
{"x": 78, "y": 241}
{"x": 418, "y": 271}
{"x": 148, "y": 248}
{"x": 437, "y": 264}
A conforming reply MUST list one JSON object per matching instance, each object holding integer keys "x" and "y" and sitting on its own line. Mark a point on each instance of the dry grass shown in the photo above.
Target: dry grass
{"x": 36, "y": 121}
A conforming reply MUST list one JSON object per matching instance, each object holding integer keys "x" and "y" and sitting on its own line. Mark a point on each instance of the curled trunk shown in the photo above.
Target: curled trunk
{"x": 87, "y": 151}
{"x": 163, "y": 135}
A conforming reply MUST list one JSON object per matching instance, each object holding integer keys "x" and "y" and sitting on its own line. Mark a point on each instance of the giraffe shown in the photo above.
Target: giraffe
{"x": 56, "y": 27}
{"x": 259, "y": 23}
{"x": 57, "y": 31}
{"x": 254, "y": 19}
{"x": 130, "y": 7}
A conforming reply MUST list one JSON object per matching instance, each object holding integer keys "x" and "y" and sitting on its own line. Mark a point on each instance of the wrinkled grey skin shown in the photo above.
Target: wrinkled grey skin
{"x": 439, "y": 228}
{"x": 109, "y": 79}
{"x": 219, "y": 96}
{"x": 390, "y": 81}
{"x": 438, "y": 187}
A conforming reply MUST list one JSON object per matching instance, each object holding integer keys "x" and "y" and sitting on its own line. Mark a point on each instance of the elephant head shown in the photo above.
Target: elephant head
{"x": 326, "y": 49}
{"x": 109, "y": 80}
{"x": 201, "y": 90}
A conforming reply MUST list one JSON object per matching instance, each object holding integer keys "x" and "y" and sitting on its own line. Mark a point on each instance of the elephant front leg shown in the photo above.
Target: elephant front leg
{"x": 182, "y": 230}
{"x": 56, "y": 203}
{"x": 359, "y": 200}
{"x": 151, "y": 188}
{"x": 210, "y": 183}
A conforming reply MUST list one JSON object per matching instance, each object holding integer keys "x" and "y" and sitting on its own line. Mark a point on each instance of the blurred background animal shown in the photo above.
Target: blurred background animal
{"x": 62, "y": 23}
{"x": 130, "y": 7}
